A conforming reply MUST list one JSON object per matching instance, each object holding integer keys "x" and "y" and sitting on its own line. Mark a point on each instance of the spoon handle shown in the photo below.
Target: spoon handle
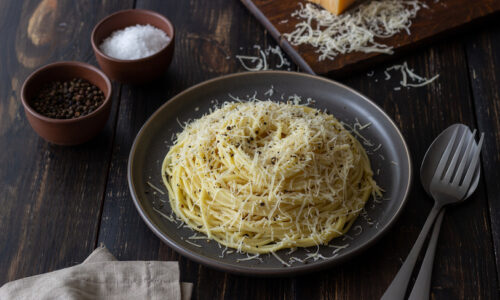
{"x": 422, "y": 287}
{"x": 399, "y": 285}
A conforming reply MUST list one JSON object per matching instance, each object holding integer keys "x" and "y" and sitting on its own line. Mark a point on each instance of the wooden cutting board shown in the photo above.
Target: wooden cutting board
{"x": 440, "y": 17}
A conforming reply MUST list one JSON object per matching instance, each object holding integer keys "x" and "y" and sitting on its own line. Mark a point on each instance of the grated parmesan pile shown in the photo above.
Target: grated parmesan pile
{"x": 287, "y": 259}
{"x": 355, "y": 30}
{"x": 263, "y": 176}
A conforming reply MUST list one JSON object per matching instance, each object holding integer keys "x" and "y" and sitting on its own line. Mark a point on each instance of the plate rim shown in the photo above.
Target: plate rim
{"x": 285, "y": 271}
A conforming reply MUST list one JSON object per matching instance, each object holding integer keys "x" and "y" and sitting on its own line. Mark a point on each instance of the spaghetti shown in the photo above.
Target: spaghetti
{"x": 262, "y": 176}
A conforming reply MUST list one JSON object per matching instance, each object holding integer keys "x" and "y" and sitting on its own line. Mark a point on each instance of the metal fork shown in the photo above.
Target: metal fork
{"x": 421, "y": 289}
{"x": 450, "y": 184}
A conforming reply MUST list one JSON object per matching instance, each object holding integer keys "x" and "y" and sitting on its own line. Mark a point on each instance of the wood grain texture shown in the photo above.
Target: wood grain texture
{"x": 206, "y": 45}
{"x": 58, "y": 203}
{"x": 483, "y": 52}
{"x": 50, "y": 195}
{"x": 463, "y": 264}
{"x": 440, "y": 17}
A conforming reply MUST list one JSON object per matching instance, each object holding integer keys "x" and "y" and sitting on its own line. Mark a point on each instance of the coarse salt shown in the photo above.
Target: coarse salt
{"x": 135, "y": 42}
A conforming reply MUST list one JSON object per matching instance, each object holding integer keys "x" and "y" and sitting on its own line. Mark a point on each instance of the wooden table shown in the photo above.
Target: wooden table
{"x": 58, "y": 203}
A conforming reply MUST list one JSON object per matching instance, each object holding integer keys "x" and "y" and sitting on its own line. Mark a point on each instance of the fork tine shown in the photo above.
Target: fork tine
{"x": 465, "y": 159}
{"x": 456, "y": 156}
{"x": 444, "y": 157}
{"x": 473, "y": 165}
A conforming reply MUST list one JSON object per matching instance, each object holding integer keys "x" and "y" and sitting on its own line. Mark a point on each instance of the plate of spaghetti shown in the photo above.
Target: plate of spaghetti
{"x": 269, "y": 173}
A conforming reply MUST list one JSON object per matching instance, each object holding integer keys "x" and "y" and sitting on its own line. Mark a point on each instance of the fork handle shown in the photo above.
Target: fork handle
{"x": 422, "y": 287}
{"x": 399, "y": 285}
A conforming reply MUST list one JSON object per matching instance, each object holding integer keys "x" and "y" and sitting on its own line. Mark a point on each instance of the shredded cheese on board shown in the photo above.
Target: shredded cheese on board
{"x": 358, "y": 29}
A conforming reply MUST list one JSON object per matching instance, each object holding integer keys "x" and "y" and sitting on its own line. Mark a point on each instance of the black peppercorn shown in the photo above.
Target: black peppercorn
{"x": 68, "y": 99}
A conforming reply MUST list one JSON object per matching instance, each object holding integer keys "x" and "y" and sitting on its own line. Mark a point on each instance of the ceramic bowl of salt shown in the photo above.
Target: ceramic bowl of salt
{"x": 134, "y": 46}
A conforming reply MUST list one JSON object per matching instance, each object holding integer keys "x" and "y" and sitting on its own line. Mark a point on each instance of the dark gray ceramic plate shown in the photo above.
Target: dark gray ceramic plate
{"x": 391, "y": 162}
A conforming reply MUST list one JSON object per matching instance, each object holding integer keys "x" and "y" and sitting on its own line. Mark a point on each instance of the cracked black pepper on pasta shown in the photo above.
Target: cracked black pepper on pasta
{"x": 263, "y": 176}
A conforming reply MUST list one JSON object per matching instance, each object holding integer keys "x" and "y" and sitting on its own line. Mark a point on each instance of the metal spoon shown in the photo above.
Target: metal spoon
{"x": 440, "y": 163}
{"x": 422, "y": 286}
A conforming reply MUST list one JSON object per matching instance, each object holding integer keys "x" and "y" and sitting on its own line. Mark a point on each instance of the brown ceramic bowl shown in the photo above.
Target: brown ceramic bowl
{"x": 66, "y": 131}
{"x": 138, "y": 70}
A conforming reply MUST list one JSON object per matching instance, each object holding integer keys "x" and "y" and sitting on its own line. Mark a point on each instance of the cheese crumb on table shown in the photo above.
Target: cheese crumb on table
{"x": 409, "y": 78}
{"x": 260, "y": 62}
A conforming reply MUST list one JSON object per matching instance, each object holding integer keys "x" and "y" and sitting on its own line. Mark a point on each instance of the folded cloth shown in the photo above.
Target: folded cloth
{"x": 101, "y": 276}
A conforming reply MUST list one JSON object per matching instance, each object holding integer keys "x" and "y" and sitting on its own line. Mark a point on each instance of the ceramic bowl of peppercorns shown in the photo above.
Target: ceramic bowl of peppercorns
{"x": 67, "y": 103}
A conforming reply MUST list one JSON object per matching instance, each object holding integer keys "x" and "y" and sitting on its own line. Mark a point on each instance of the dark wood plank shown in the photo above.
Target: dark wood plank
{"x": 464, "y": 266}
{"x": 50, "y": 196}
{"x": 421, "y": 113}
{"x": 451, "y": 15}
{"x": 483, "y": 53}
{"x": 208, "y": 36}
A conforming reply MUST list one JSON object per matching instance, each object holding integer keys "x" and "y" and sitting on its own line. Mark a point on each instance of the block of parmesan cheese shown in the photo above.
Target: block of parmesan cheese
{"x": 336, "y": 7}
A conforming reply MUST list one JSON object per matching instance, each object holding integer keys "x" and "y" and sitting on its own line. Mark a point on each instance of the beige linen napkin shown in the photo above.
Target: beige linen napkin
{"x": 101, "y": 276}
